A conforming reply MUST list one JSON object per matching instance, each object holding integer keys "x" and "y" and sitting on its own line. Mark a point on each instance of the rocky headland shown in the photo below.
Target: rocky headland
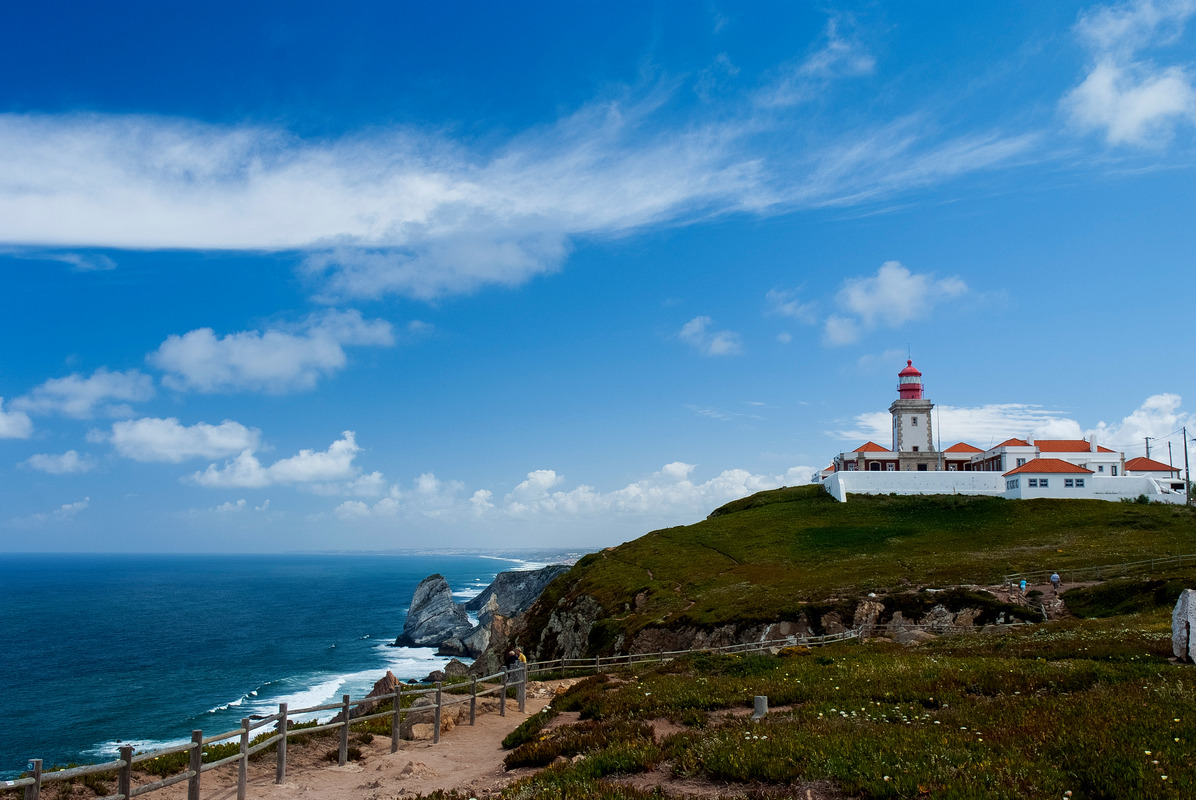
{"x": 435, "y": 619}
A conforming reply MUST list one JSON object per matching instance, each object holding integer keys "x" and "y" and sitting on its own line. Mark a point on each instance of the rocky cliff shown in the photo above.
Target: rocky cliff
{"x": 579, "y": 627}
{"x": 433, "y": 617}
{"x": 512, "y": 593}
{"x": 434, "y": 620}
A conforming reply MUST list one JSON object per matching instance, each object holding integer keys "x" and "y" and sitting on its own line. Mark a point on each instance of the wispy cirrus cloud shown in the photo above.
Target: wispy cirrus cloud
{"x": 415, "y": 212}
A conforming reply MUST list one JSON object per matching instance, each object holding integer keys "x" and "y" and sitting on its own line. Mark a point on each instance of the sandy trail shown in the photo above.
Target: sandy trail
{"x": 468, "y": 759}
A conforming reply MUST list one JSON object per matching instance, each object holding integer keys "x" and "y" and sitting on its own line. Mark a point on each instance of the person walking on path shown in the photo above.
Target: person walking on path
{"x": 1055, "y": 581}
{"x": 1023, "y": 587}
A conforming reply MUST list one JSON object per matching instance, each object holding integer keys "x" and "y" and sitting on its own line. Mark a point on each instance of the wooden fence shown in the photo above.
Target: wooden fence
{"x": 280, "y": 723}
{"x": 1102, "y": 572}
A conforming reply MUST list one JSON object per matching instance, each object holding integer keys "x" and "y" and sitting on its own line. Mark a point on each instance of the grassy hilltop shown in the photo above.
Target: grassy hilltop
{"x": 768, "y": 556}
{"x": 1074, "y": 708}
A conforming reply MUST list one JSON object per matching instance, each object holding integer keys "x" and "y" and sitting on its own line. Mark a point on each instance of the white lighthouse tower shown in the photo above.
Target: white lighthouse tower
{"x": 913, "y": 434}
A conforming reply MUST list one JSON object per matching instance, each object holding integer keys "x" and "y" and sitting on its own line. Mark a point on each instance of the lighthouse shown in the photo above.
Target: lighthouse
{"x": 913, "y": 433}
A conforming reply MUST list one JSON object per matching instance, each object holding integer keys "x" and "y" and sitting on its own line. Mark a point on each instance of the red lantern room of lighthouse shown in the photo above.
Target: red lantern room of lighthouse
{"x": 913, "y": 434}
{"x": 909, "y": 382}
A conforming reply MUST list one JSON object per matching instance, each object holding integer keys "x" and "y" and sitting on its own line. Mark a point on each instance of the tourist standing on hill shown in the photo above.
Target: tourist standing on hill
{"x": 1055, "y": 581}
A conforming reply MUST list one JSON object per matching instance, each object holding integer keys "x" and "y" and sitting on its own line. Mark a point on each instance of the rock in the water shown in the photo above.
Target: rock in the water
{"x": 513, "y": 592}
{"x": 1183, "y": 619}
{"x": 434, "y": 617}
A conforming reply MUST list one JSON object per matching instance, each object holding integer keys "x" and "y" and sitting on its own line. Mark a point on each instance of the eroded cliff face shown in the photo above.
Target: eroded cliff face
{"x": 575, "y": 628}
{"x": 513, "y": 592}
{"x": 433, "y": 617}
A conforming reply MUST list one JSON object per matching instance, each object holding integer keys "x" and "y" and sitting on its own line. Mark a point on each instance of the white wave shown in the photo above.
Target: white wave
{"x": 111, "y": 749}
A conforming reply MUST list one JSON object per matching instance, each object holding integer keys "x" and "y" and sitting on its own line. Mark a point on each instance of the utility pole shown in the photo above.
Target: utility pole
{"x": 1148, "y": 446}
{"x": 1187, "y": 473}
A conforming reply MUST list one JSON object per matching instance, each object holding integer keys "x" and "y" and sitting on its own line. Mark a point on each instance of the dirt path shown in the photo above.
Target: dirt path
{"x": 468, "y": 759}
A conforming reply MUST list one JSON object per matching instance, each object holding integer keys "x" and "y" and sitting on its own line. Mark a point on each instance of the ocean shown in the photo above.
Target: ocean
{"x": 99, "y": 650}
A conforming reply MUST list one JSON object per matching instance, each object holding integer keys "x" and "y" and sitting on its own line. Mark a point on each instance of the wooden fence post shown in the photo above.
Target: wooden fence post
{"x": 34, "y": 791}
{"x": 396, "y": 721}
{"x": 243, "y": 763}
{"x": 196, "y": 765}
{"x": 521, "y": 688}
{"x": 124, "y": 781}
{"x": 343, "y": 757}
{"x": 502, "y": 704}
{"x": 473, "y": 700}
{"x": 436, "y": 716}
{"x": 280, "y": 772}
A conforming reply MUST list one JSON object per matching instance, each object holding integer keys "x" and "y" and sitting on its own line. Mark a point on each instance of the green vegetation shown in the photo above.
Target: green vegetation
{"x": 780, "y": 554}
{"x": 1090, "y": 707}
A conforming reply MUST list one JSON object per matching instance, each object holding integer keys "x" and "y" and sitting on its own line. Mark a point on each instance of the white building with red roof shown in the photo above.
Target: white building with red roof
{"x": 1015, "y": 468}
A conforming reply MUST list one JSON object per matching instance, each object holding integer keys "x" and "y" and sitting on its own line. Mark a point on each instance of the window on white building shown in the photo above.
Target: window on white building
{"x": 1079, "y": 483}
{"x": 1042, "y": 483}
{"x": 915, "y": 448}
{"x": 1113, "y": 470}
{"x": 1068, "y": 483}
{"x": 1033, "y": 483}
{"x": 913, "y": 421}
{"x": 1100, "y": 467}
{"x": 1021, "y": 462}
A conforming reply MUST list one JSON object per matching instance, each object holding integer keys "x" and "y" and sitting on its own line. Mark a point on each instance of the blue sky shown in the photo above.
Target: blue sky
{"x": 280, "y": 276}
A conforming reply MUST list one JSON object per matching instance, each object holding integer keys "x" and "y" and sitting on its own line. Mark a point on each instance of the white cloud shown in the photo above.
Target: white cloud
{"x": 65, "y": 464}
{"x": 154, "y": 439}
{"x": 280, "y": 359}
{"x": 14, "y": 424}
{"x": 63, "y": 513}
{"x": 307, "y": 466}
{"x": 414, "y": 212}
{"x": 1133, "y": 100}
{"x": 543, "y": 496}
{"x": 785, "y": 303}
{"x": 841, "y": 55}
{"x": 1159, "y": 416}
{"x": 891, "y": 298}
{"x": 84, "y": 398}
{"x": 230, "y": 507}
{"x": 696, "y": 332}
{"x": 982, "y": 426}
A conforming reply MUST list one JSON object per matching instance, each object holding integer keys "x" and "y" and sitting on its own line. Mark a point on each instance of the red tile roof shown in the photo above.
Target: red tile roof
{"x": 1040, "y": 466}
{"x": 1014, "y": 443}
{"x": 1141, "y": 464}
{"x": 871, "y": 447}
{"x": 1068, "y": 446}
{"x": 963, "y": 447}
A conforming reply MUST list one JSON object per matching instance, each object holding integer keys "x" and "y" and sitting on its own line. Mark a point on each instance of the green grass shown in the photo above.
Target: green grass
{"x": 1091, "y": 707}
{"x": 781, "y": 554}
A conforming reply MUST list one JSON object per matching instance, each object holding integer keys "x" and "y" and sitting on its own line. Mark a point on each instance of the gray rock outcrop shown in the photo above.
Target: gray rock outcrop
{"x": 1183, "y": 619}
{"x": 513, "y": 592}
{"x": 433, "y": 617}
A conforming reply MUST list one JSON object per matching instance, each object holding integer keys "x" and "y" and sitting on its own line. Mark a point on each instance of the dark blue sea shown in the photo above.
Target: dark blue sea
{"x": 100, "y": 649}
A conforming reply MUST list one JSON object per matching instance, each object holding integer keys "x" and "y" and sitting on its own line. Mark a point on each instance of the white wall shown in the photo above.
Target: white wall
{"x": 842, "y": 484}
{"x": 1096, "y": 487}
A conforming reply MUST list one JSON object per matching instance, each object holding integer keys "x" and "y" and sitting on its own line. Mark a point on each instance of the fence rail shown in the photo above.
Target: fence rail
{"x": 1102, "y": 572}
{"x": 500, "y": 682}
